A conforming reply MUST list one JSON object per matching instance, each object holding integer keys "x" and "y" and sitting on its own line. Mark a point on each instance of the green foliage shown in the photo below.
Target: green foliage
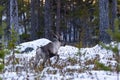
{"x": 79, "y": 45}
{"x": 14, "y": 39}
{"x": 118, "y": 67}
{"x": 116, "y": 33}
{"x": 1, "y": 67}
{"x": 101, "y": 66}
{"x": 12, "y": 45}
{"x": 25, "y": 36}
{"x": 40, "y": 33}
{"x": 2, "y": 28}
{"x": 110, "y": 47}
{"x": 115, "y": 49}
{"x": 2, "y": 54}
{"x": 1, "y": 8}
{"x": 2, "y": 46}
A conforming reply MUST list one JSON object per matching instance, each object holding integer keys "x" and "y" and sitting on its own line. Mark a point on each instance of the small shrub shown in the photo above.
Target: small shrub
{"x": 101, "y": 66}
{"x": 25, "y": 36}
{"x": 1, "y": 67}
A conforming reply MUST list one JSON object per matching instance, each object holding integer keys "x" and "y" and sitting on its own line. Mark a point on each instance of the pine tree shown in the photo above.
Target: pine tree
{"x": 12, "y": 45}
{"x": 3, "y": 51}
{"x": 2, "y": 54}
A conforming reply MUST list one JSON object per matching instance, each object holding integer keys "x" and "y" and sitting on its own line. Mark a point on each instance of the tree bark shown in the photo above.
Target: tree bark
{"x": 14, "y": 15}
{"x": 104, "y": 21}
{"x": 114, "y": 13}
{"x": 38, "y": 18}
{"x": 35, "y": 19}
{"x": 58, "y": 16}
{"x": 47, "y": 18}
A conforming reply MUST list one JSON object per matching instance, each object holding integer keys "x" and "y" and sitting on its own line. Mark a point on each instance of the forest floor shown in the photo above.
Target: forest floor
{"x": 95, "y": 63}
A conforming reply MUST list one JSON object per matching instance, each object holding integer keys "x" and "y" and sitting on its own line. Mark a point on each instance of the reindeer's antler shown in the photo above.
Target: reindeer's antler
{"x": 54, "y": 35}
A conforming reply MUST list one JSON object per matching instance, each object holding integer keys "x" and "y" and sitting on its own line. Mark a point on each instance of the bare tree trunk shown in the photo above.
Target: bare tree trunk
{"x": 114, "y": 13}
{"x": 7, "y": 32}
{"x": 47, "y": 18}
{"x": 14, "y": 15}
{"x": 38, "y": 18}
{"x": 35, "y": 19}
{"x": 104, "y": 21}
{"x": 58, "y": 16}
{"x": 14, "y": 18}
{"x": 33, "y": 25}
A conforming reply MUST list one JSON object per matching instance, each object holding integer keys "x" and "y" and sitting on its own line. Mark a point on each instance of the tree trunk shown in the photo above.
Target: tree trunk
{"x": 114, "y": 13}
{"x": 58, "y": 16}
{"x": 104, "y": 21}
{"x": 33, "y": 25}
{"x": 47, "y": 18}
{"x": 14, "y": 18}
{"x": 38, "y": 18}
{"x": 35, "y": 19}
{"x": 7, "y": 32}
{"x": 14, "y": 15}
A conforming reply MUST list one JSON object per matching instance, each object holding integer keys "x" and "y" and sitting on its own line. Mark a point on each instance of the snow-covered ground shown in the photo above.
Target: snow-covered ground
{"x": 74, "y": 64}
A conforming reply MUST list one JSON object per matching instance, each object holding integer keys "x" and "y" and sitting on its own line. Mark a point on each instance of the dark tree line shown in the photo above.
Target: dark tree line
{"x": 84, "y": 21}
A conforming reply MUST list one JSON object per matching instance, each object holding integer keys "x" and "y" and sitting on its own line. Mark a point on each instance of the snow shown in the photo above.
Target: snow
{"x": 74, "y": 64}
{"x": 34, "y": 44}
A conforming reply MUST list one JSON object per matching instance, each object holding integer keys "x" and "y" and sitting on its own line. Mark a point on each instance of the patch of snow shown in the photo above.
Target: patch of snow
{"x": 70, "y": 71}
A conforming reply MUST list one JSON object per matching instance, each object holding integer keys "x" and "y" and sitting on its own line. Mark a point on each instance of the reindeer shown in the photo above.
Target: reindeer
{"x": 48, "y": 51}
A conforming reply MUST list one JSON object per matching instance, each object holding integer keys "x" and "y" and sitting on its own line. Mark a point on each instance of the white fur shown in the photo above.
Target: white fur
{"x": 56, "y": 45}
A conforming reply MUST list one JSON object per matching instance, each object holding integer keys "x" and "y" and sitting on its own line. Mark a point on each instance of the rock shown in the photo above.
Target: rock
{"x": 28, "y": 49}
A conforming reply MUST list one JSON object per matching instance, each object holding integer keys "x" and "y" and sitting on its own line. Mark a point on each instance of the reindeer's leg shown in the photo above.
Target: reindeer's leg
{"x": 45, "y": 57}
{"x": 57, "y": 58}
{"x": 44, "y": 60}
{"x": 35, "y": 65}
{"x": 49, "y": 56}
{"x": 49, "y": 61}
{"x": 37, "y": 59}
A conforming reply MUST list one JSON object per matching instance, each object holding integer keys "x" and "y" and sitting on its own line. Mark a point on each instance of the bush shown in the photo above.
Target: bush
{"x": 25, "y": 36}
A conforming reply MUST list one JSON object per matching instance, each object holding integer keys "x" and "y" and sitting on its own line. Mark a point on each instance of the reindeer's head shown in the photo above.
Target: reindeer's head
{"x": 58, "y": 37}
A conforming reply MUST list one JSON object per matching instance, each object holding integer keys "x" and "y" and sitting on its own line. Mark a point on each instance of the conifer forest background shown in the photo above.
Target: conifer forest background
{"x": 83, "y": 22}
